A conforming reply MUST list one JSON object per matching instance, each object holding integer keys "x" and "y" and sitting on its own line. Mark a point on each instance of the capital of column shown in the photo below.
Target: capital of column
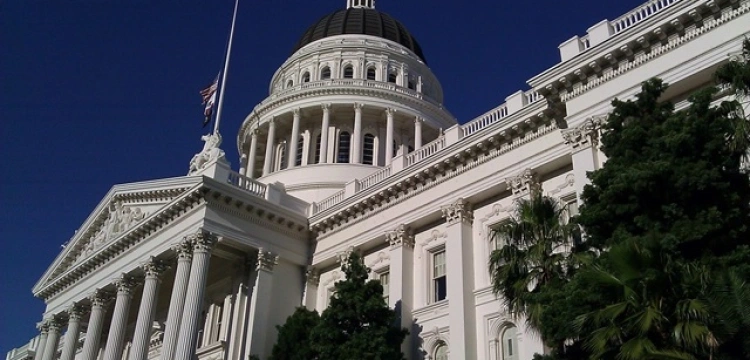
{"x": 202, "y": 241}
{"x": 125, "y": 285}
{"x": 153, "y": 268}
{"x": 75, "y": 312}
{"x": 418, "y": 120}
{"x": 312, "y": 275}
{"x": 524, "y": 183}
{"x": 43, "y": 326}
{"x": 358, "y": 107}
{"x": 326, "y": 107}
{"x": 585, "y": 135}
{"x": 402, "y": 236}
{"x": 53, "y": 324}
{"x": 343, "y": 256}
{"x": 183, "y": 249}
{"x": 99, "y": 298}
{"x": 459, "y": 211}
{"x": 390, "y": 111}
{"x": 266, "y": 260}
{"x": 296, "y": 112}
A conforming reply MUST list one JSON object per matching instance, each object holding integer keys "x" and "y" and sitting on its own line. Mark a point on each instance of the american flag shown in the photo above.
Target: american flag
{"x": 209, "y": 99}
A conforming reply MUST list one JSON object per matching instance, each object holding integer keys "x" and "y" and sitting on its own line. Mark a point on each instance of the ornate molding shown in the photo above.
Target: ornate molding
{"x": 75, "y": 312}
{"x": 312, "y": 275}
{"x": 585, "y": 135}
{"x": 266, "y": 261}
{"x": 202, "y": 241}
{"x": 125, "y": 285}
{"x": 457, "y": 212}
{"x": 358, "y": 106}
{"x": 343, "y": 256}
{"x": 524, "y": 183}
{"x": 402, "y": 236}
{"x": 99, "y": 298}
{"x": 183, "y": 249}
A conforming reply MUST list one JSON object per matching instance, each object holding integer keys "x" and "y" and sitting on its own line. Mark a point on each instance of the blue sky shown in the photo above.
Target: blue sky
{"x": 99, "y": 92}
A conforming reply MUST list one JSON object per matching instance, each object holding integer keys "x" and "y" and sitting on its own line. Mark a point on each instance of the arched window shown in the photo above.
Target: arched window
{"x": 298, "y": 155}
{"x": 509, "y": 343}
{"x": 371, "y": 73}
{"x": 325, "y": 74}
{"x": 345, "y": 140}
{"x": 368, "y": 149}
{"x": 306, "y": 77}
{"x": 441, "y": 352}
{"x": 348, "y": 72}
{"x": 317, "y": 149}
{"x": 392, "y": 77}
{"x": 289, "y": 83}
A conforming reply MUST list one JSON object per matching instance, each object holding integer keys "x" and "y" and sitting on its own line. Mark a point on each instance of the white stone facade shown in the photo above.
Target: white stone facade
{"x": 353, "y": 151}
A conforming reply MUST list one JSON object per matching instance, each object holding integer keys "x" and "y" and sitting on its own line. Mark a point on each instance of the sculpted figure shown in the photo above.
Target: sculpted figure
{"x": 209, "y": 153}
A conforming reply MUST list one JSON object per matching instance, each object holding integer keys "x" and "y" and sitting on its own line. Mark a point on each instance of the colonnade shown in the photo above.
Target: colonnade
{"x": 357, "y": 146}
{"x": 183, "y": 319}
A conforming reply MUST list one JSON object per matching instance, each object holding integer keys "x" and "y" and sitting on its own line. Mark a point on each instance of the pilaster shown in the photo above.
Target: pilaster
{"x": 459, "y": 263}
{"x": 389, "y": 113}
{"x": 260, "y": 303}
{"x": 525, "y": 183}
{"x": 583, "y": 141}
{"x": 400, "y": 289}
{"x": 312, "y": 281}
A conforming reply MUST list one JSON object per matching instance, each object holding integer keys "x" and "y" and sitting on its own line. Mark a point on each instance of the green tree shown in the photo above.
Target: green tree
{"x": 358, "y": 323}
{"x": 294, "y": 338}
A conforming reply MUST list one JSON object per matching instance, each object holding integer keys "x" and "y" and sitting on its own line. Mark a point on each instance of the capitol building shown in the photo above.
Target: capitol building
{"x": 353, "y": 151}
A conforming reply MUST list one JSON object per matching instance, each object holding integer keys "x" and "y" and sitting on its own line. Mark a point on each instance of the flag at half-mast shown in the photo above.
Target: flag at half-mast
{"x": 209, "y": 99}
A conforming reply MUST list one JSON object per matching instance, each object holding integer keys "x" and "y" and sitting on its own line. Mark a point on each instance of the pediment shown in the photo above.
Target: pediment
{"x": 122, "y": 209}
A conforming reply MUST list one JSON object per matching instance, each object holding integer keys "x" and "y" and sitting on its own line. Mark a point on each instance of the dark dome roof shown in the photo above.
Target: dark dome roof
{"x": 363, "y": 21}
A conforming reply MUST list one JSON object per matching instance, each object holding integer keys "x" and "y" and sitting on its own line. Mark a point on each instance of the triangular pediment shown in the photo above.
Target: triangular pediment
{"x": 123, "y": 208}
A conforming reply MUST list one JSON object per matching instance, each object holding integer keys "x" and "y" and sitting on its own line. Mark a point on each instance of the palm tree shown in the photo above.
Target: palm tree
{"x": 657, "y": 308}
{"x": 533, "y": 252}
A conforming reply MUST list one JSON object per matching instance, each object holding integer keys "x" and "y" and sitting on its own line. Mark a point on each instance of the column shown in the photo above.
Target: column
{"x": 357, "y": 136}
{"x": 295, "y": 139}
{"x": 400, "y": 294}
{"x": 98, "y": 300}
{"x": 324, "y": 133}
{"x": 53, "y": 339}
{"x": 459, "y": 269}
{"x": 75, "y": 313}
{"x": 203, "y": 244}
{"x": 116, "y": 337}
{"x": 142, "y": 335}
{"x": 43, "y": 327}
{"x": 418, "y": 132}
{"x": 269, "y": 147}
{"x": 583, "y": 141}
{"x": 389, "y": 136}
{"x": 260, "y": 303}
{"x": 253, "y": 154}
{"x": 243, "y": 164}
{"x": 312, "y": 276}
{"x": 184, "y": 251}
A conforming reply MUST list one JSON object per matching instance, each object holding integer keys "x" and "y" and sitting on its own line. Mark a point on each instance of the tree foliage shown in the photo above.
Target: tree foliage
{"x": 666, "y": 219}
{"x": 356, "y": 325}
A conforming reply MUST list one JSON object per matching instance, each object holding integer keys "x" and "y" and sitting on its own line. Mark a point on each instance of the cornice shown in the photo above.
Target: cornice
{"x": 634, "y": 47}
{"x": 454, "y": 161}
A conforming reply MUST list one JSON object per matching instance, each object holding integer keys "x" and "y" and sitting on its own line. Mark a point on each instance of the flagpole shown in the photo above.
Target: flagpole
{"x": 226, "y": 70}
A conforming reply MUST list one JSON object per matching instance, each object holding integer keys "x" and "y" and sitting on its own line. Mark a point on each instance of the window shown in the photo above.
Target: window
{"x": 325, "y": 74}
{"x": 300, "y": 147}
{"x": 441, "y": 352}
{"x": 348, "y": 72}
{"x": 218, "y": 317}
{"x": 317, "y": 149}
{"x": 306, "y": 77}
{"x": 571, "y": 210}
{"x": 344, "y": 146}
{"x": 371, "y": 73}
{"x": 439, "y": 279}
{"x": 385, "y": 279}
{"x": 509, "y": 344}
{"x": 289, "y": 83}
{"x": 368, "y": 149}
{"x": 411, "y": 85}
{"x": 392, "y": 77}
{"x": 282, "y": 156}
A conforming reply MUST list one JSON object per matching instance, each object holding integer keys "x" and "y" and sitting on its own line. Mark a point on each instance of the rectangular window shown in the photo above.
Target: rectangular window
{"x": 385, "y": 279}
{"x": 439, "y": 278}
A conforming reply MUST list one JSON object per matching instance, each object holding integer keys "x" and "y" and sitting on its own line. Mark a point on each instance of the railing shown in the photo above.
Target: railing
{"x": 485, "y": 120}
{"x": 245, "y": 183}
{"x": 532, "y": 97}
{"x": 374, "y": 178}
{"x": 425, "y": 151}
{"x": 640, "y": 13}
{"x": 329, "y": 201}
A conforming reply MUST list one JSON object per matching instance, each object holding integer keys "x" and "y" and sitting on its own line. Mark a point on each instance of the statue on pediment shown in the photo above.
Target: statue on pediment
{"x": 210, "y": 153}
